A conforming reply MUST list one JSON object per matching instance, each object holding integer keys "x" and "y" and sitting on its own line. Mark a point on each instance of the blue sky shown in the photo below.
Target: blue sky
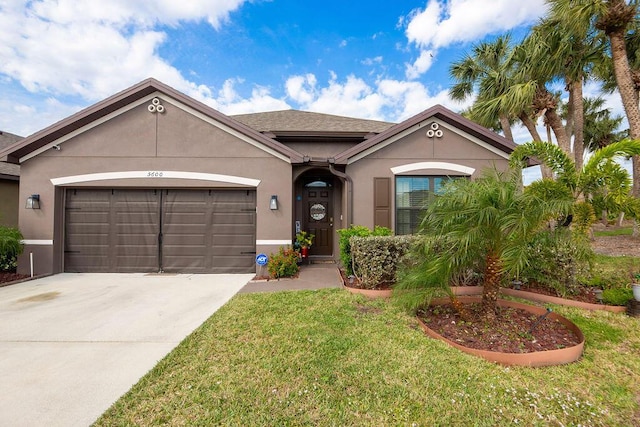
{"x": 377, "y": 59}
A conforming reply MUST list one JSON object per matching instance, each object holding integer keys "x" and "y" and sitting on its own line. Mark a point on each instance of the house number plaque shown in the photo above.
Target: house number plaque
{"x": 318, "y": 211}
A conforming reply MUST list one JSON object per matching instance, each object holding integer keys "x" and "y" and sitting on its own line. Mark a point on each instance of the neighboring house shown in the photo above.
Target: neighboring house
{"x": 152, "y": 180}
{"x": 9, "y": 184}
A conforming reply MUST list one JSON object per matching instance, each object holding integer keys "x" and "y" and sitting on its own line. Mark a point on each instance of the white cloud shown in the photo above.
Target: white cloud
{"x": 230, "y": 102}
{"x": 71, "y": 47}
{"x": 301, "y": 88}
{"x": 387, "y": 99}
{"x": 420, "y": 66}
{"x": 443, "y": 23}
{"x": 372, "y": 61}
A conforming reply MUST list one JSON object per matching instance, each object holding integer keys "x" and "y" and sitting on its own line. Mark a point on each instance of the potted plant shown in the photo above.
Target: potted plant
{"x": 636, "y": 286}
{"x": 304, "y": 240}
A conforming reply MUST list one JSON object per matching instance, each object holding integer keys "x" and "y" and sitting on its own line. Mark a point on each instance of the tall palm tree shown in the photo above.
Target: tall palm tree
{"x": 485, "y": 71}
{"x": 524, "y": 92}
{"x": 486, "y": 224}
{"x": 613, "y": 18}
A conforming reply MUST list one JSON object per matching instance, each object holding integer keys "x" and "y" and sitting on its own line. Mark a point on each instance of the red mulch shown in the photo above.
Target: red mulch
{"x": 6, "y": 277}
{"x": 513, "y": 330}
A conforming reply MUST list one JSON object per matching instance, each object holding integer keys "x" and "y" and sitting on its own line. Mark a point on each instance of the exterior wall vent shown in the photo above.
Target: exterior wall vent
{"x": 155, "y": 106}
{"x": 435, "y": 131}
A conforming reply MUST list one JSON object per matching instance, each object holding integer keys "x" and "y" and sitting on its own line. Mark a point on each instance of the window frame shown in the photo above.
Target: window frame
{"x": 412, "y": 226}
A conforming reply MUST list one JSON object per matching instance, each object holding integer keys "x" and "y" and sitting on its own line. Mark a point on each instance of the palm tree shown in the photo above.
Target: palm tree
{"x": 613, "y": 18}
{"x": 600, "y": 180}
{"x": 523, "y": 93}
{"x": 600, "y": 129}
{"x": 486, "y": 71}
{"x": 571, "y": 54}
{"x": 484, "y": 224}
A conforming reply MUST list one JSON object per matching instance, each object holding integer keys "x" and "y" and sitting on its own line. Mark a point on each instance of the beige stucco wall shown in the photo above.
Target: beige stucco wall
{"x": 9, "y": 203}
{"x": 416, "y": 147}
{"x": 138, "y": 140}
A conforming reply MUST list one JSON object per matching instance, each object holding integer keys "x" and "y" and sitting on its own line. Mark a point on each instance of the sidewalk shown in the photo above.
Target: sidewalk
{"x": 311, "y": 277}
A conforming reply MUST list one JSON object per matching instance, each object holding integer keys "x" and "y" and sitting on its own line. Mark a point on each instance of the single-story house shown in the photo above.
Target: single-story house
{"x": 152, "y": 180}
{"x": 9, "y": 184}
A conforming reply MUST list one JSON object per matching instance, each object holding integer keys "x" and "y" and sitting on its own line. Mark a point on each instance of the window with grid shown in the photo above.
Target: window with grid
{"x": 412, "y": 196}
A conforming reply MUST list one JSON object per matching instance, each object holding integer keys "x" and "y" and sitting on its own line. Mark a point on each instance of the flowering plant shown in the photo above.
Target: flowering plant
{"x": 304, "y": 239}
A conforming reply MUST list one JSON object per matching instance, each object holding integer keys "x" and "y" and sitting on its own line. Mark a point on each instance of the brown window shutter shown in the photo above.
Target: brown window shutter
{"x": 382, "y": 202}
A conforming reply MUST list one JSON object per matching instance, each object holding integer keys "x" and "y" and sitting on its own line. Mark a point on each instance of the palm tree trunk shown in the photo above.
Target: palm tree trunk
{"x": 578, "y": 123}
{"x": 555, "y": 122}
{"x": 506, "y": 127}
{"x": 460, "y": 308}
{"x": 570, "y": 110}
{"x": 628, "y": 94}
{"x": 492, "y": 273}
{"x": 531, "y": 127}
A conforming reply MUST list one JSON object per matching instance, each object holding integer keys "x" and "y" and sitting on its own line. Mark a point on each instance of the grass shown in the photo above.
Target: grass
{"x": 329, "y": 358}
{"x": 618, "y": 231}
{"x": 614, "y": 271}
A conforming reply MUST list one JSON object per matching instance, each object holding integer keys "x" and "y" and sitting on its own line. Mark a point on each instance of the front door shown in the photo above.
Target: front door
{"x": 318, "y": 216}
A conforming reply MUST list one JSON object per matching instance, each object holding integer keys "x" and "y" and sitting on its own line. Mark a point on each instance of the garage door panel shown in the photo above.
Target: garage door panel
{"x": 202, "y": 231}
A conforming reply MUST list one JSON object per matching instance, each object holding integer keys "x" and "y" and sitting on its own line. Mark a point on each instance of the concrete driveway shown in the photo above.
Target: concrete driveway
{"x": 72, "y": 344}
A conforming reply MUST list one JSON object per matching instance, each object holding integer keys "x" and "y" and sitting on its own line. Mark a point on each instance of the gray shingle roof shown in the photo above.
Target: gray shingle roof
{"x": 6, "y": 139}
{"x": 305, "y": 121}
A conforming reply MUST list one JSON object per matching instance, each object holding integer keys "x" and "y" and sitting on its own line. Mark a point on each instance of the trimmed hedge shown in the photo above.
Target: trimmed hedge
{"x": 376, "y": 258}
{"x": 356, "y": 230}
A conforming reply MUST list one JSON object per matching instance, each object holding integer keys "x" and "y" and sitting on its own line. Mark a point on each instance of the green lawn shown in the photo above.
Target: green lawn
{"x": 621, "y": 231}
{"x": 329, "y": 358}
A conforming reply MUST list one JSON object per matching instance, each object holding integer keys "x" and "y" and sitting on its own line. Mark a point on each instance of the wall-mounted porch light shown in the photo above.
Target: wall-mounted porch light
{"x": 273, "y": 203}
{"x": 33, "y": 202}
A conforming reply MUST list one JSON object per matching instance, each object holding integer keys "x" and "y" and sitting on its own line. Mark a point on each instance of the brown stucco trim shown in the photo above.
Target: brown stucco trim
{"x": 441, "y": 113}
{"x": 103, "y": 108}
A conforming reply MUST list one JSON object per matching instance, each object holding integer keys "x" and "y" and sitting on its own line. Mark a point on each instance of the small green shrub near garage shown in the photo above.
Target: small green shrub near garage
{"x": 284, "y": 263}
{"x": 10, "y": 248}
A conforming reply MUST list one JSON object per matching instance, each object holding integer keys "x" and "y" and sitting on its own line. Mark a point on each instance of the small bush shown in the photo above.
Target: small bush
{"x": 283, "y": 264}
{"x": 620, "y": 296}
{"x": 376, "y": 258}
{"x": 557, "y": 258}
{"x": 607, "y": 280}
{"x": 356, "y": 230}
{"x": 10, "y": 248}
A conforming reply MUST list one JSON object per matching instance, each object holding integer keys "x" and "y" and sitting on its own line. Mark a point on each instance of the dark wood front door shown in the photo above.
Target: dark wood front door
{"x": 318, "y": 218}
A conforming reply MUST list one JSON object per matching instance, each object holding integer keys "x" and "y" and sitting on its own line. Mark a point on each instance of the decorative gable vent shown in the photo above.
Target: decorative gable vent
{"x": 435, "y": 131}
{"x": 155, "y": 106}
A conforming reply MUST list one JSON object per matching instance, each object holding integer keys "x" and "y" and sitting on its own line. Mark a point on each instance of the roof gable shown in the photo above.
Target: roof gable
{"x": 102, "y": 110}
{"x": 481, "y": 135}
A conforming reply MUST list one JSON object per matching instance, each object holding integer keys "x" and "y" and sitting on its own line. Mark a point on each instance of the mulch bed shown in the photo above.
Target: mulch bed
{"x": 512, "y": 331}
{"x": 6, "y": 277}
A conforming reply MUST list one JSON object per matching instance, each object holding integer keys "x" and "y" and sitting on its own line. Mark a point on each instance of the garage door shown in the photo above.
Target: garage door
{"x": 188, "y": 231}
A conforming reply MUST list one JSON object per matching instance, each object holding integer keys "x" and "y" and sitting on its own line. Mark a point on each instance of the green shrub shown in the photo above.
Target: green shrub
{"x": 356, "y": 230}
{"x": 10, "y": 248}
{"x": 557, "y": 258}
{"x": 376, "y": 258}
{"x": 283, "y": 264}
{"x": 607, "y": 280}
{"x": 620, "y": 296}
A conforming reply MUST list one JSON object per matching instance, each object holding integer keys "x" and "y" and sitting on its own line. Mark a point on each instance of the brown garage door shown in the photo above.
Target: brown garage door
{"x": 189, "y": 231}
